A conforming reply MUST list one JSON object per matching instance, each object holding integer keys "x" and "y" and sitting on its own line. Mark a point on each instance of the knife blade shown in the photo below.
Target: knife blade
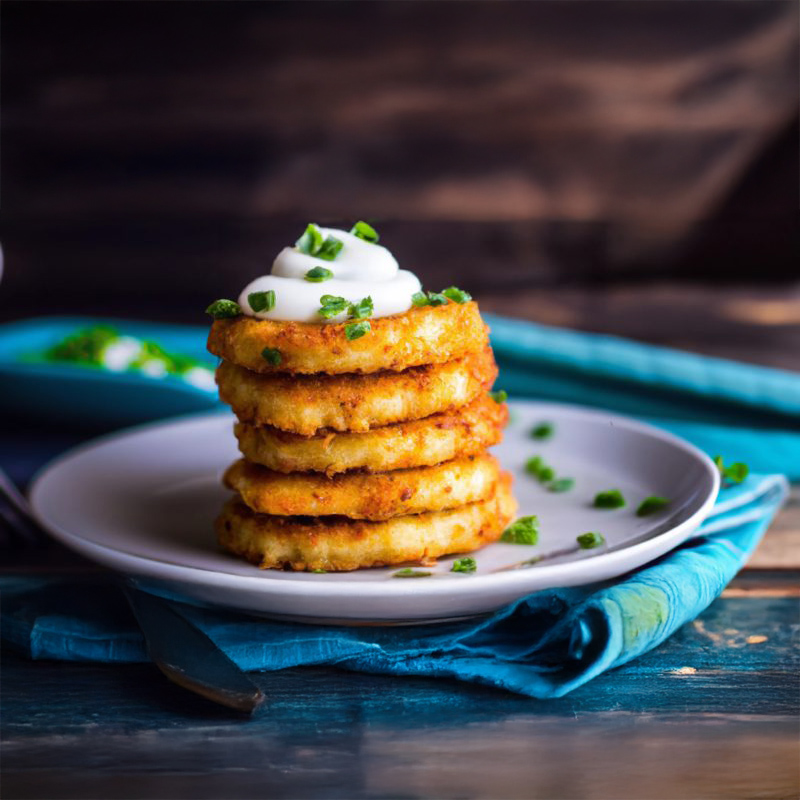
{"x": 188, "y": 657}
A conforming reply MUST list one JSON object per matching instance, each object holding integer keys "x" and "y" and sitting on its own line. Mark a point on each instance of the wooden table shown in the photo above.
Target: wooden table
{"x": 711, "y": 713}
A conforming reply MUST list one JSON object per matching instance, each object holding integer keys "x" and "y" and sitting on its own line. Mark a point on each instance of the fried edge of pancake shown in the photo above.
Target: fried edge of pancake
{"x": 426, "y": 335}
{"x": 360, "y": 495}
{"x": 304, "y": 404}
{"x": 466, "y": 431}
{"x": 337, "y": 544}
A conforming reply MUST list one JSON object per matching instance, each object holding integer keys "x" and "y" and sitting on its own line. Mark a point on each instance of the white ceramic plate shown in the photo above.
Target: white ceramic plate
{"x": 142, "y": 502}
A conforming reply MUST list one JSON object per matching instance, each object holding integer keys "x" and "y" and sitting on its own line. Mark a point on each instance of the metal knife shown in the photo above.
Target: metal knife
{"x": 188, "y": 657}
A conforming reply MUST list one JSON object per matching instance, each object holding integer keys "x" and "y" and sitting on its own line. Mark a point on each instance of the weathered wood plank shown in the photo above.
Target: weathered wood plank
{"x": 711, "y": 713}
{"x": 610, "y": 758}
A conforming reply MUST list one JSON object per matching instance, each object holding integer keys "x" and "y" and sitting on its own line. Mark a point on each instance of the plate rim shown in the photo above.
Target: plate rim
{"x": 264, "y": 584}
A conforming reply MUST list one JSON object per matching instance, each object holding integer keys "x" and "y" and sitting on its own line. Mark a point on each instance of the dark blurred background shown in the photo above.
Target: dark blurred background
{"x": 629, "y": 167}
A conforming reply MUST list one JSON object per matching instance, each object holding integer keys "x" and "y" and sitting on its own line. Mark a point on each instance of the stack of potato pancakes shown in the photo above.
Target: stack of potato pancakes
{"x": 362, "y": 452}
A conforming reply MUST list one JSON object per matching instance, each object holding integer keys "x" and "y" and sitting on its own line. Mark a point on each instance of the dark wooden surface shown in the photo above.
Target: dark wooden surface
{"x": 713, "y": 713}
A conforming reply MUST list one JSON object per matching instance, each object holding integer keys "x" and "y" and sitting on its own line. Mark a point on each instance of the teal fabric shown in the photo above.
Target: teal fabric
{"x": 740, "y": 411}
{"x": 548, "y": 643}
{"x": 544, "y": 645}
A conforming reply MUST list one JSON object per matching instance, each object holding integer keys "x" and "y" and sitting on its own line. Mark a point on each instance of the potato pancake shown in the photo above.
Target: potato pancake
{"x": 442, "y": 437}
{"x": 427, "y": 335}
{"x": 339, "y": 544}
{"x": 362, "y": 495}
{"x": 304, "y": 404}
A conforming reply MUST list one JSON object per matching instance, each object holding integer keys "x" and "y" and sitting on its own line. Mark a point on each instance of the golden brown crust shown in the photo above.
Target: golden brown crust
{"x": 340, "y": 544}
{"x": 360, "y": 495}
{"x": 427, "y": 335}
{"x": 442, "y": 437}
{"x": 304, "y": 404}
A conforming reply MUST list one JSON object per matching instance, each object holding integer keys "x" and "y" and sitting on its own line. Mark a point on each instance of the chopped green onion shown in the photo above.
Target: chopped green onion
{"x": 312, "y": 244}
{"x": 272, "y": 356}
{"x": 456, "y": 295}
{"x": 362, "y": 309}
{"x": 735, "y": 473}
{"x": 319, "y": 571}
{"x": 610, "y": 499}
{"x": 590, "y": 540}
{"x": 651, "y": 505}
{"x": 465, "y": 564}
{"x": 355, "y": 330}
{"x": 331, "y": 248}
{"x": 332, "y": 306}
{"x": 533, "y": 465}
{"x": 500, "y": 396}
{"x": 546, "y": 475}
{"x": 542, "y": 472}
{"x": 311, "y": 240}
{"x": 262, "y": 301}
{"x": 224, "y": 309}
{"x": 318, "y": 274}
{"x": 411, "y": 573}
{"x": 543, "y": 431}
{"x": 420, "y": 299}
{"x": 561, "y": 485}
{"x": 524, "y": 531}
{"x": 437, "y": 299}
{"x": 366, "y": 232}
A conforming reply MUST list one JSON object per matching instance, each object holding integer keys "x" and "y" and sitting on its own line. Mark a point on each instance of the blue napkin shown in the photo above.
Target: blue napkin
{"x": 740, "y": 411}
{"x": 545, "y": 645}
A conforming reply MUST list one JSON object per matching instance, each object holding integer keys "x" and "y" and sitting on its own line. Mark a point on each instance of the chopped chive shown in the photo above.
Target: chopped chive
{"x": 456, "y": 295}
{"x": 311, "y": 240}
{"x": 610, "y": 499}
{"x": 318, "y": 274}
{"x": 272, "y": 356}
{"x": 332, "y": 306}
{"x": 651, "y": 505}
{"x": 362, "y": 309}
{"x": 735, "y": 473}
{"x": 561, "y": 485}
{"x": 590, "y": 540}
{"x": 311, "y": 243}
{"x": 224, "y": 309}
{"x": 330, "y": 248}
{"x": 420, "y": 299}
{"x": 262, "y": 301}
{"x": 437, "y": 299}
{"x": 319, "y": 571}
{"x": 542, "y": 472}
{"x": 543, "y": 431}
{"x": 365, "y": 231}
{"x": 525, "y": 530}
{"x": 355, "y": 330}
{"x": 533, "y": 465}
{"x": 411, "y": 573}
{"x": 465, "y": 564}
{"x": 500, "y": 396}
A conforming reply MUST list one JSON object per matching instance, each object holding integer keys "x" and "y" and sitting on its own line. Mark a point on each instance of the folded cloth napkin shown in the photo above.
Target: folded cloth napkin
{"x": 544, "y": 645}
{"x": 740, "y": 411}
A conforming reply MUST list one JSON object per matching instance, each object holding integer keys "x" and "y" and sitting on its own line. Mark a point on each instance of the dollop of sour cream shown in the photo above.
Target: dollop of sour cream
{"x": 361, "y": 269}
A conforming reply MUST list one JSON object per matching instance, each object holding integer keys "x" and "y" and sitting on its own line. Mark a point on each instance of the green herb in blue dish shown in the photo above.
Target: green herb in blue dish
{"x": 104, "y": 347}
